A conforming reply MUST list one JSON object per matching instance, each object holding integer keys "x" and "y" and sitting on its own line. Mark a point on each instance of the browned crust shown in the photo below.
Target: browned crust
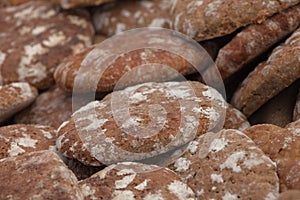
{"x": 144, "y": 182}
{"x": 222, "y": 164}
{"x": 130, "y": 68}
{"x": 202, "y": 20}
{"x": 255, "y": 39}
{"x": 33, "y": 45}
{"x": 269, "y": 78}
{"x": 174, "y": 123}
{"x": 18, "y": 139}
{"x": 51, "y": 108}
{"x": 14, "y": 97}
{"x": 282, "y": 146}
{"x": 37, "y": 175}
{"x": 124, "y": 15}
{"x": 235, "y": 119}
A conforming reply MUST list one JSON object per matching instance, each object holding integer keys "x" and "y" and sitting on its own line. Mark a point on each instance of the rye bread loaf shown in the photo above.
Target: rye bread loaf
{"x": 227, "y": 165}
{"x": 153, "y": 56}
{"x": 283, "y": 147}
{"x": 256, "y": 39}
{"x": 140, "y": 122}
{"x": 14, "y": 97}
{"x": 129, "y": 180}
{"x": 119, "y": 16}
{"x": 35, "y": 37}
{"x": 37, "y": 175}
{"x": 269, "y": 78}
{"x": 206, "y": 19}
{"x": 50, "y": 108}
{"x": 18, "y": 139}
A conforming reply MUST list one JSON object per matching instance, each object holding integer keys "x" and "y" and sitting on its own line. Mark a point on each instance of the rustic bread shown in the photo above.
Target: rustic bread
{"x": 14, "y": 97}
{"x": 35, "y": 37}
{"x": 129, "y": 180}
{"x": 227, "y": 165}
{"x": 282, "y": 146}
{"x": 140, "y": 122}
{"x": 18, "y": 139}
{"x": 269, "y": 78}
{"x": 206, "y": 19}
{"x": 37, "y": 175}
{"x": 50, "y": 108}
{"x": 116, "y": 63}
{"x": 255, "y": 40}
{"x": 119, "y": 16}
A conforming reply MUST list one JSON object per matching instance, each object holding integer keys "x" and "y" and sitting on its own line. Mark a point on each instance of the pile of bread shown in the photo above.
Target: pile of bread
{"x": 150, "y": 99}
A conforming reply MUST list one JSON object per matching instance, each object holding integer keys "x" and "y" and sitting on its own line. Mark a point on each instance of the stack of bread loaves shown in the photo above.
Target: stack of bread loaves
{"x": 150, "y": 99}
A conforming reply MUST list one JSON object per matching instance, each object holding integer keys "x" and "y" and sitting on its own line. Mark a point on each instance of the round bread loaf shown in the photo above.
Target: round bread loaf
{"x": 140, "y": 122}
{"x": 206, "y": 19}
{"x": 50, "y": 108}
{"x": 35, "y": 37}
{"x": 282, "y": 146}
{"x": 15, "y": 97}
{"x": 18, "y": 139}
{"x": 154, "y": 55}
{"x": 227, "y": 165}
{"x": 138, "y": 181}
{"x": 37, "y": 175}
{"x": 256, "y": 39}
{"x": 119, "y": 16}
{"x": 270, "y": 77}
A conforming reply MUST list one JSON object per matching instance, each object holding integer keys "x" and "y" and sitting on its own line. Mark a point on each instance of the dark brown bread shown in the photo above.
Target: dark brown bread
{"x": 18, "y": 139}
{"x": 37, "y": 175}
{"x": 227, "y": 165}
{"x": 119, "y": 16}
{"x": 14, "y": 97}
{"x": 256, "y": 39}
{"x": 136, "y": 181}
{"x": 206, "y": 19}
{"x": 50, "y": 108}
{"x": 140, "y": 122}
{"x": 283, "y": 147}
{"x": 35, "y": 37}
{"x": 153, "y": 56}
{"x": 269, "y": 78}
